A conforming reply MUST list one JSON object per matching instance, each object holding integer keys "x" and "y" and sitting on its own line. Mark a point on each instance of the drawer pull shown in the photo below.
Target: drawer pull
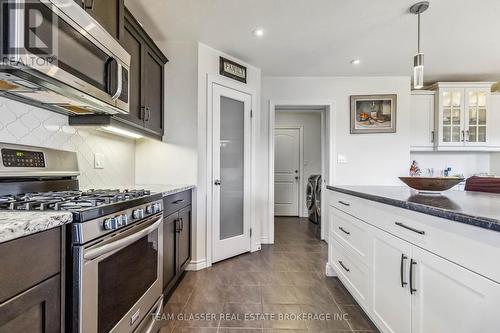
{"x": 344, "y": 231}
{"x": 177, "y": 201}
{"x": 403, "y": 258}
{"x": 344, "y": 267}
{"x": 421, "y": 232}
{"x": 344, "y": 203}
{"x": 412, "y": 290}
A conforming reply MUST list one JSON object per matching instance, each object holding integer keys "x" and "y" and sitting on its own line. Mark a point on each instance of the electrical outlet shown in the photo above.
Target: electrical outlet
{"x": 98, "y": 161}
{"x": 341, "y": 159}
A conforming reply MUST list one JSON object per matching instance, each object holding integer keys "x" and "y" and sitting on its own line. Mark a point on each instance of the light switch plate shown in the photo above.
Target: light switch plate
{"x": 98, "y": 161}
{"x": 341, "y": 159}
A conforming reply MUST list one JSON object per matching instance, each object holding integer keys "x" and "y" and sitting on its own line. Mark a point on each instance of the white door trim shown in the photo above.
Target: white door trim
{"x": 327, "y": 165}
{"x": 301, "y": 165}
{"x": 231, "y": 84}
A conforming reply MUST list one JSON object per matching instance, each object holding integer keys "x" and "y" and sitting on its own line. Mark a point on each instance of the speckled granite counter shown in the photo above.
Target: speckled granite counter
{"x": 165, "y": 189}
{"x": 15, "y": 224}
{"x": 474, "y": 208}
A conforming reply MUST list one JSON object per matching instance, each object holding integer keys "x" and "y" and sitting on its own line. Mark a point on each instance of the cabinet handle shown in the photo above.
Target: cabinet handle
{"x": 177, "y": 201}
{"x": 463, "y": 136}
{"x": 403, "y": 258}
{"x": 177, "y": 225}
{"x": 467, "y": 136}
{"x": 182, "y": 224}
{"x": 412, "y": 290}
{"x": 344, "y": 231}
{"x": 344, "y": 203}
{"x": 421, "y": 232}
{"x": 344, "y": 267}
{"x": 90, "y": 5}
{"x": 432, "y": 136}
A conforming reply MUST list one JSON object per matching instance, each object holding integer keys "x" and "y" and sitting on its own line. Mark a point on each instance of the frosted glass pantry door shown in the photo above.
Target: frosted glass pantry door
{"x": 231, "y": 172}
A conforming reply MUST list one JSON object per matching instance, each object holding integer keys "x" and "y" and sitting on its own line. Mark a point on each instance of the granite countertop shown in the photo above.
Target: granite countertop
{"x": 165, "y": 189}
{"x": 15, "y": 224}
{"x": 474, "y": 208}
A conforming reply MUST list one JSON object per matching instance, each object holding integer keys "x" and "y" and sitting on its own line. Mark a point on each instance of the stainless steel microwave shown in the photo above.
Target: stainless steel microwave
{"x": 56, "y": 56}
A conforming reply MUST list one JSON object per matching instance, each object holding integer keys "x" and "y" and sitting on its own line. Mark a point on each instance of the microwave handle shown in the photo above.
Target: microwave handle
{"x": 119, "y": 83}
{"x": 99, "y": 251}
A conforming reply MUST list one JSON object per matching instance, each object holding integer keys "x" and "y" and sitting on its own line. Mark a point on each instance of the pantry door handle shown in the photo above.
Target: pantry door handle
{"x": 344, "y": 203}
{"x": 403, "y": 258}
{"x": 344, "y": 231}
{"x": 421, "y": 232}
{"x": 344, "y": 267}
{"x": 412, "y": 290}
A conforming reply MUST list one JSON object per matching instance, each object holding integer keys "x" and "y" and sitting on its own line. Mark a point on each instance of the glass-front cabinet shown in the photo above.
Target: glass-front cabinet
{"x": 462, "y": 116}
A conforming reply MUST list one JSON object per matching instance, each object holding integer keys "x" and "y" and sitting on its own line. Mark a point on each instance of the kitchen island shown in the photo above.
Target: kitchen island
{"x": 417, "y": 263}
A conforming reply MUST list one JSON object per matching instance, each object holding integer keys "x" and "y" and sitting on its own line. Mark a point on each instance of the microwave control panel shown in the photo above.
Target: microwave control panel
{"x": 14, "y": 158}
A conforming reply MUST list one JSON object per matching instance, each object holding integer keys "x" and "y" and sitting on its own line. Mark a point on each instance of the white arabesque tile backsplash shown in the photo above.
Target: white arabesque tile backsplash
{"x": 24, "y": 124}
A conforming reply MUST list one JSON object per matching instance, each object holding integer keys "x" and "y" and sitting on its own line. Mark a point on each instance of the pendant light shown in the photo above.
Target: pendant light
{"x": 418, "y": 59}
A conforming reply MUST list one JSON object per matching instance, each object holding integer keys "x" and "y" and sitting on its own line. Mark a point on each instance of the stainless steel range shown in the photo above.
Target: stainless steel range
{"x": 114, "y": 243}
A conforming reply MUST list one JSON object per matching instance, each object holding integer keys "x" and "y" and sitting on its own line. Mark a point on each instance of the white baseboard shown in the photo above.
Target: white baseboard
{"x": 265, "y": 240}
{"x": 329, "y": 270}
{"x": 197, "y": 265}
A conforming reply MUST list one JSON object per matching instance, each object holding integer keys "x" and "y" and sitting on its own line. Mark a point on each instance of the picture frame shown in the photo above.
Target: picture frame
{"x": 373, "y": 113}
{"x": 232, "y": 70}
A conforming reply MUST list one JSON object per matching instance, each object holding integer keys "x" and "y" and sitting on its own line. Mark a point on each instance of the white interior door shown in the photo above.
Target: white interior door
{"x": 286, "y": 171}
{"x": 231, "y": 172}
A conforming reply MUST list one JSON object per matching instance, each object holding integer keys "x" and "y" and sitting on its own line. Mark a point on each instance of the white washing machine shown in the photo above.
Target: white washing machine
{"x": 311, "y": 192}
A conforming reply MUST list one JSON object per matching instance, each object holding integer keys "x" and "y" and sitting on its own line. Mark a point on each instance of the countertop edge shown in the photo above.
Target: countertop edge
{"x": 177, "y": 190}
{"x": 17, "y": 224}
{"x": 482, "y": 222}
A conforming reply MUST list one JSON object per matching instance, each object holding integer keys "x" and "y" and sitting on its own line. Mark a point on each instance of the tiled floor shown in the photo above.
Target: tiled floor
{"x": 267, "y": 290}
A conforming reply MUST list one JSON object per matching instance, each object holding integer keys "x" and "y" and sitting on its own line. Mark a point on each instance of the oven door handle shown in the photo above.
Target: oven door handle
{"x": 121, "y": 243}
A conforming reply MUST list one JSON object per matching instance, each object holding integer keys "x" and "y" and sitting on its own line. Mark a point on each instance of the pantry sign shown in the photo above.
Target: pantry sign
{"x": 232, "y": 69}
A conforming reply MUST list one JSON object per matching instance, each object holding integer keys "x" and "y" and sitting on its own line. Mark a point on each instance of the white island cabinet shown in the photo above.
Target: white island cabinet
{"x": 412, "y": 272}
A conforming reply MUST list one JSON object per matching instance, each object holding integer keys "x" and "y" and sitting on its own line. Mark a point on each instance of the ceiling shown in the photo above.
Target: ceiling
{"x": 460, "y": 38}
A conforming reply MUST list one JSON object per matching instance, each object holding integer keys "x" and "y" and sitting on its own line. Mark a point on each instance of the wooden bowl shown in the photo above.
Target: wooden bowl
{"x": 431, "y": 184}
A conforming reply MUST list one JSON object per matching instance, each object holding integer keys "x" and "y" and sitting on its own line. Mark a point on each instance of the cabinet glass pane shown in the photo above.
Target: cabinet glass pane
{"x": 446, "y": 134}
{"x": 472, "y": 134}
{"x": 472, "y": 116}
{"x": 481, "y": 99}
{"x": 482, "y": 116}
{"x": 472, "y": 98}
{"x": 447, "y": 116}
{"x": 481, "y": 134}
{"x": 456, "y": 96}
{"x": 455, "y": 116}
{"x": 231, "y": 167}
{"x": 455, "y": 134}
{"x": 446, "y": 98}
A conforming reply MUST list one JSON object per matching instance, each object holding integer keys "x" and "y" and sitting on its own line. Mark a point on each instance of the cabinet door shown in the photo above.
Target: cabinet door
{"x": 451, "y": 117}
{"x": 391, "y": 299}
{"x": 132, "y": 43}
{"x": 450, "y": 298}
{"x": 476, "y": 116}
{"x": 185, "y": 237}
{"x": 422, "y": 121}
{"x": 109, "y": 13}
{"x": 170, "y": 226}
{"x": 36, "y": 310}
{"x": 153, "y": 91}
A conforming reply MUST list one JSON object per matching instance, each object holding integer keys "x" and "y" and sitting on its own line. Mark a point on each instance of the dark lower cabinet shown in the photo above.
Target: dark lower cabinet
{"x": 176, "y": 238}
{"x": 31, "y": 278}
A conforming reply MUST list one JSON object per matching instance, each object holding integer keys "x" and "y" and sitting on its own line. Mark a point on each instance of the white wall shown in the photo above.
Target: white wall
{"x": 463, "y": 163}
{"x": 311, "y": 123}
{"x": 24, "y": 124}
{"x": 495, "y": 164}
{"x": 372, "y": 158}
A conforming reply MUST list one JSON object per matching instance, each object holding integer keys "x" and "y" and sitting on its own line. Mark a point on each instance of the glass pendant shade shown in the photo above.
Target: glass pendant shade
{"x": 418, "y": 71}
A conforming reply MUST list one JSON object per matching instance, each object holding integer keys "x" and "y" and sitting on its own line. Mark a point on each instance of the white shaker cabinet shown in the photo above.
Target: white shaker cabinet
{"x": 422, "y": 120}
{"x": 494, "y": 120}
{"x": 450, "y": 298}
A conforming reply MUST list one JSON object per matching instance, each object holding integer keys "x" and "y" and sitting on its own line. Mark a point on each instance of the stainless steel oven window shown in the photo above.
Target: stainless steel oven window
{"x": 121, "y": 278}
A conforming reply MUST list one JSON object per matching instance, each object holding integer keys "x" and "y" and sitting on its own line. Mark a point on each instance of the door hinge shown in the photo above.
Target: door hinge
{"x": 250, "y": 232}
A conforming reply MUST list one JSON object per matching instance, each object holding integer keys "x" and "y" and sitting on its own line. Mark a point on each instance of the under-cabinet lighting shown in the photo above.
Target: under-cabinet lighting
{"x": 121, "y": 131}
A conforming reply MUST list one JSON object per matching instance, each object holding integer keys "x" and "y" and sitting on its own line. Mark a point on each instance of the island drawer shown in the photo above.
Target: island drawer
{"x": 351, "y": 232}
{"x": 29, "y": 260}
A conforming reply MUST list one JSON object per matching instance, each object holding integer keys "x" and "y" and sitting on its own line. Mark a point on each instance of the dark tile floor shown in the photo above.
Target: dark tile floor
{"x": 280, "y": 289}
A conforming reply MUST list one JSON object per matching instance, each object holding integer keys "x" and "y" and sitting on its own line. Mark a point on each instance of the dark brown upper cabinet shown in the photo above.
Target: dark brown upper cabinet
{"x": 109, "y": 13}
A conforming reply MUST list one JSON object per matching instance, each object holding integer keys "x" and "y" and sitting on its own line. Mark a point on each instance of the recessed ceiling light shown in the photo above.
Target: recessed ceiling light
{"x": 356, "y": 61}
{"x": 258, "y": 32}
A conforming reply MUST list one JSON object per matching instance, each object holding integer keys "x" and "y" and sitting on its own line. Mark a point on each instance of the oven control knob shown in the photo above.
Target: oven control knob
{"x": 125, "y": 219}
{"x": 149, "y": 209}
{"x": 157, "y": 207}
{"x": 109, "y": 224}
{"x": 138, "y": 213}
{"x": 120, "y": 221}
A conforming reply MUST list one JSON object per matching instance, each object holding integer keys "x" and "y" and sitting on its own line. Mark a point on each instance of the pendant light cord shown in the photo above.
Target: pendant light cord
{"x": 418, "y": 37}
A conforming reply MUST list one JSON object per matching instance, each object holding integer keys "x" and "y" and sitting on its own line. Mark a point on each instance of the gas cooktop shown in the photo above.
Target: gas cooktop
{"x": 84, "y": 205}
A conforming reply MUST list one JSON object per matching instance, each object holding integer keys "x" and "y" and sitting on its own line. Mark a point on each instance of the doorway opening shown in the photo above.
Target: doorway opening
{"x": 299, "y": 163}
